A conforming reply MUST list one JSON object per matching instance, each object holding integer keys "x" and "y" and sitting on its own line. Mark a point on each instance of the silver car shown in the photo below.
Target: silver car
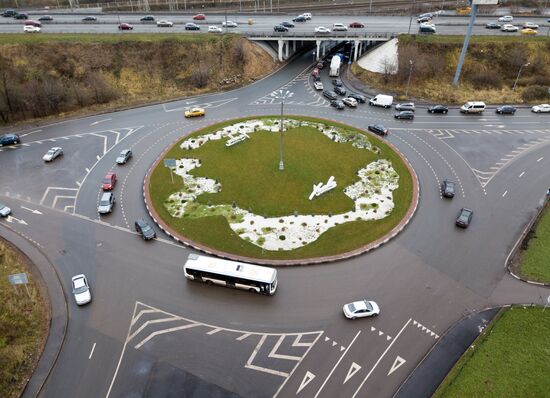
{"x": 106, "y": 203}
{"x": 405, "y": 106}
{"x": 81, "y": 289}
{"x": 4, "y": 210}
{"x": 123, "y": 157}
{"x": 52, "y": 154}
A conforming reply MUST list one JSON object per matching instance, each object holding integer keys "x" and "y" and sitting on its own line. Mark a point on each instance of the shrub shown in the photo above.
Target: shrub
{"x": 531, "y": 93}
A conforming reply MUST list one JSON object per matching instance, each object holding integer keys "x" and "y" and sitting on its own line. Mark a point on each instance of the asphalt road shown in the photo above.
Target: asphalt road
{"x": 150, "y": 332}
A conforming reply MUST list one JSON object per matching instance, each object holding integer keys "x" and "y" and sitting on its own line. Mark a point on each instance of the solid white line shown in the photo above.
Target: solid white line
{"x": 92, "y": 352}
{"x": 539, "y": 159}
{"x": 504, "y": 194}
{"x": 338, "y": 363}
{"x": 29, "y": 133}
{"x": 522, "y": 173}
{"x": 381, "y": 356}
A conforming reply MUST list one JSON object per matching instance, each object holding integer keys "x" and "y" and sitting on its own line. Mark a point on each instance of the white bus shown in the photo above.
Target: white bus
{"x": 237, "y": 275}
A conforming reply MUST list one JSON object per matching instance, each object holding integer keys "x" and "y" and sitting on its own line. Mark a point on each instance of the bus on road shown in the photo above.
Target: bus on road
{"x": 234, "y": 274}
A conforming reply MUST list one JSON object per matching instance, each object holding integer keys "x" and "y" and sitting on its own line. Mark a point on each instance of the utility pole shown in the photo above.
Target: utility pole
{"x": 466, "y": 41}
{"x": 409, "y": 79}
{"x": 519, "y": 72}
{"x": 411, "y": 18}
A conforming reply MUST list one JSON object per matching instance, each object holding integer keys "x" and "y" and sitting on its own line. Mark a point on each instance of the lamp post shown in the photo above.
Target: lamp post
{"x": 519, "y": 72}
{"x": 411, "y": 17}
{"x": 409, "y": 79}
{"x": 281, "y": 95}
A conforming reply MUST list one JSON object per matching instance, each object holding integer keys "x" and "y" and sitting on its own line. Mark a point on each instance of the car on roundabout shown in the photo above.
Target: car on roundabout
{"x": 199, "y": 17}
{"x": 125, "y": 26}
{"x": 109, "y": 181}
{"x": 195, "y": 112}
{"x": 404, "y": 115}
{"x": 448, "y": 189}
{"x": 4, "y": 210}
{"x": 506, "y": 110}
{"x": 214, "y": 29}
{"x": 124, "y": 156}
{"x": 318, "y": 85}
{"x": 106, "y": 203}
{"x": 229, "y": 24}
{"x": 192, "y": 26}
{"x": 361, "y": 309}
{"x": 337, "y": 104}
{"x": 340, "y": 90}
{"x": 378, "y": 129}
{"x": 351, "y": 102}
{"x": 509, "y": 28}
{"x": 337, "y": 83}
{"x": 542, "y": 108}
{"x": 331, "y": 95}
{"x": 53, "y": 154}
{"x": 163, "y": 23}
{"x": 81, "y": 289}
{"x": 144, "y": 229}
{"x": 322, "y": 29}
{"x": 359, "y": 97}
{"x": 464, "y": 218}
{"x": 31, "y": 29}
{"x": 438, "y": 109}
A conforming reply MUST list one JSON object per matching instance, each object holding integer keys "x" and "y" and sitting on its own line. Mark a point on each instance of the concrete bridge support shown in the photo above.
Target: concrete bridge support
{"x": 356, "y": 44}
{"x": 318, "y": 43}
{"x": 281, "y": 43}
{"x": 286, "y": 49}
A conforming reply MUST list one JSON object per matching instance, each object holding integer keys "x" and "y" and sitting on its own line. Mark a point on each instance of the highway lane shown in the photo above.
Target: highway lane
{"x": 430, "y": 275}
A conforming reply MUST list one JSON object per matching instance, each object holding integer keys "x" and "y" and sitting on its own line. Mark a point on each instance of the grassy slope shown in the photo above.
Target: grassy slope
{"x": 215, "y": 231}
{"x": 509, "y": 360}
{"x": 23, "y": 326}
{"x": 25, "y": 38}
{"x": 534, "y": 261}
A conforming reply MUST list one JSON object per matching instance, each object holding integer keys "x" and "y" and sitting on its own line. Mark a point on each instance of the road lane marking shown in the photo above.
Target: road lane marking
{"x": 29, "y": 133}
{"x": 306, "y": 380}
{"x": 99, "y": 121}
{"x": 158, "y": 332}
{"x": 244, "y": 336}
{"x": 504, "y": 194}
{"x": 92, "y": 352}
{"x": 539, "y": 159}
{"x": 380, "y": 358}
{"x": 396, "y": 364}
{"x": 338, "y": 363}
{"x": 214, "y": 331}
{"x": 354, "y": 368}
{"x": 522, "y": 173}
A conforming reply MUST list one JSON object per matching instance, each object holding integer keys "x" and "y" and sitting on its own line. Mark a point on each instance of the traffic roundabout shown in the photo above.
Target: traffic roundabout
{"x": 317, "y": 192}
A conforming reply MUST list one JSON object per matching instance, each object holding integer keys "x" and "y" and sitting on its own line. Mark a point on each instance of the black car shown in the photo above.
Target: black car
{"x": 46, "y": 18}
{"x": 360, "y": 98}
{"x": 448, "y": 189}
{"x": 287, "y": 24}
{"x": 506, "y": 110}
{"x": 424, "y": 18}
{"x": 192, "y": 26}
{"x": 337, "y": 104}
{"x": 492, "y": 25}
{"x": 438, "y": 109}
{"x": 147, "y": 18}
{"x": 340, "y": 90}
{"x": 9, "y": 139}
{"x": 21, "y": 16}
{"x": 89, "y": 18}
{"x": 404, "y": 115}
{"x": 145, "y": 230}
{"x": 9, "y": 13}
{"x": 331, "y": 95}
{"x": 299, "y": 18}
{"x": 378, "y": 129}
{"x": 464, "y": 218}
{"x": 337, "y": 82}
{"x": 280, "y": 28}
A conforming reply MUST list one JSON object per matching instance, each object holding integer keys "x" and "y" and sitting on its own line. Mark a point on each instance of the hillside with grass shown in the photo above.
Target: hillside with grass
{"x": 489, "y": 72}
{"x": 51, "y": 75}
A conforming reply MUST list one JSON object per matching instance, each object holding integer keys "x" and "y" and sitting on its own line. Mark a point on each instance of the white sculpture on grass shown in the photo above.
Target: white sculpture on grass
{"x": 236, "y": 139}
{"x": 319, "y": 189}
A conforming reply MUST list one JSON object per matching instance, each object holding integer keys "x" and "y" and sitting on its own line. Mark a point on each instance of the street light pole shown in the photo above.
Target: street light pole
{"x": 519, "y": 72}
{"x": 281, "y": 163}
{"x": 409, "y": 79}
{"x": 411, "y": 18}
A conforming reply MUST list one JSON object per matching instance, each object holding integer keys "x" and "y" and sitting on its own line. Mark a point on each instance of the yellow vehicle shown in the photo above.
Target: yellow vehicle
{"x": 194, "y": 112}
{"x": 528, "y": 31}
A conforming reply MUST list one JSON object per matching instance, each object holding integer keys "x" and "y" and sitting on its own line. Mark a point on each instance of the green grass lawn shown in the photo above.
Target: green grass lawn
{"x": 535, "y": 263}
{"x": 250, "y": 177}
{"x": 511, "y": 359}
{"x": 23, "y": 326}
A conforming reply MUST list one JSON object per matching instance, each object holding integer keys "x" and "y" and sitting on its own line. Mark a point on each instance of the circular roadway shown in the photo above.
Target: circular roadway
{"x": 149, "y": 332}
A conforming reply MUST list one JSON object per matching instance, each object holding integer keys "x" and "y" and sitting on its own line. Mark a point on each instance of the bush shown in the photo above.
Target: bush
{"x": 485, "y": 78}
{"x": 535, "y": 93}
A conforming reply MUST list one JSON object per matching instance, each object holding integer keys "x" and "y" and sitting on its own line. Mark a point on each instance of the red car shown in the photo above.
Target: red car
{"x": 356, "y": 25}
{"x": 109, "y": 181}
{"x": 199, "y": 17}
{"x": 32, "y": 22}
{"x": 125, "y": 26}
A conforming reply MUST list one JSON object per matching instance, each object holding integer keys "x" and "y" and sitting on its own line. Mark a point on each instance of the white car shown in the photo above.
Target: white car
{"x": 530, "y": 25}
{"x": 430, "y": 24}
{"x": 318, "y": 85}
{"x": 52, "y": 154}
{"x": 506, "y": 18}
{"x": 509, "y": 28}
{"x": 339, "y": 26}
{"x": 31, "y": 29}
{"x": 81, "y": 289}
{"x": 106, "y": 203}
{"x": 4, "y": 210}
{"x": 214, "y": 29}
{"x": 229, "y": 24}
{"x": 165, "y": 24}
{"x": 124, "y": 156}
{"x": 542, "y": 108}
{"x": 307, "y": 15}
{"x": 352, "y": 102}
{"x": 322, "y": 29}
{"x": 361, "y": 309}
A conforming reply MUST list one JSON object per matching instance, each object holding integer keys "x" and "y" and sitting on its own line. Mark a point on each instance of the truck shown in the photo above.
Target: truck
{"x": 335, "y": 66}
{"x": 382, "y": 100}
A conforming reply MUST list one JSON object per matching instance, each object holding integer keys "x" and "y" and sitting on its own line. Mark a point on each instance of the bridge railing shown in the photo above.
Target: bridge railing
{"x": 313, "y": 35}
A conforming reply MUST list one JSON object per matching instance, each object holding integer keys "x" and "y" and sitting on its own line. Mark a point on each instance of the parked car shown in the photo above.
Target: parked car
{"x": 337, "y": 82}
{"x": 337, "y": 104}
{"x": 199, "y": 17}
{"x": 530, "y": 25}
{"x": 448, "y": 189}
{"x": 109, "y": 181}
{"x": 340, "y": 90}
{"x": 339, "y": 27}
{"x": 528, "y": 31}
{"x": 10, "y": 139}
{"x": 125, "y": 26}
{"x": 378, "y": 129}
{"x": 46, "y": 18}
{"x": 124, "y": 156}
{"x": 163, "y": 23}
{"x": 506, "y": 110}
{"x": 214, "y": 29}
{"x": 89, "y": 18}
{"x": 21, "y": 16}
{"x": 31, "y": 29}
{"x": 106, "y": 203}
{"x": 492, "y": 25}
{"x": 506, "y": 18}
{"x": 464, "y": 218}
{"x": 194, "y": 112}
{"x": 318, "y": 85}
{"x": 438, "y": 109}
{"x": 287, "y": 24}
{"x": 509, "y": 28}
{"x": 144, "y": 229}
{"x": 299, "y": 18}
{"x": 81, "y": 289}
{"x": 4, "y": 210}
{"x": 192, "y": 26}
{"x": 229, "y": 24}
{"x": 53, "y": 154}
{"x": 405, "y": 106}
{"x": 331, "y": 95}
{"x": 280, "y": 28}
{"x": 351, "y": 102}
{"x": 32, "y": 22}
{"x": 147, "y": 18}
{"x": 409, "y": 115}
{"x": 542, "y": 108}
{"x": 322, "y": 29}
{"x": 356, "y": 25}
{"x": 361, "y": 309}
{"x": 360, "y": 98}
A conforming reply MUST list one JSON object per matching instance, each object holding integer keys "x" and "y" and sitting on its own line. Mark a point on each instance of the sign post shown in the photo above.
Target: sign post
{"x": 170, "y": 164}
{"x": 19, "y": 279}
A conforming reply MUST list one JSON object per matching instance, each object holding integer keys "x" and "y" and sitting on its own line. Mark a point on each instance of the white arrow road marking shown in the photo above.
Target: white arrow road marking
{"x": 354, "y": 368}
{"x": 31, "y": 210}
{"x": 307, "y": 379}
{"x": 11, "y": 219}
{"x": 99, "y": 121}
{"x": 396, "y": 364}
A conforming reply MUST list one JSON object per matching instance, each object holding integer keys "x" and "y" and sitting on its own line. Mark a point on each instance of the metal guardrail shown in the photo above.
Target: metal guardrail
{"x": 313, "y": 35}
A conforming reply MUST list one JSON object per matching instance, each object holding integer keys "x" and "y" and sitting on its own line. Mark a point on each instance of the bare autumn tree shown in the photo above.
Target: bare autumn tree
{"x": 200, "y": 75}
{"x": 388, "y": 69}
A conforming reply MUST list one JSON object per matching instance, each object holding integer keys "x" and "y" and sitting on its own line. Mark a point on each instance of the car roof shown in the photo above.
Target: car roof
{"x": 106, "y": 195}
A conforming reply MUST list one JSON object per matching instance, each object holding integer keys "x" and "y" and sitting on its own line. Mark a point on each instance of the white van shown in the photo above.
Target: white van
{"x": 473, "y": 107}
{"x": 382, "y": 100}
